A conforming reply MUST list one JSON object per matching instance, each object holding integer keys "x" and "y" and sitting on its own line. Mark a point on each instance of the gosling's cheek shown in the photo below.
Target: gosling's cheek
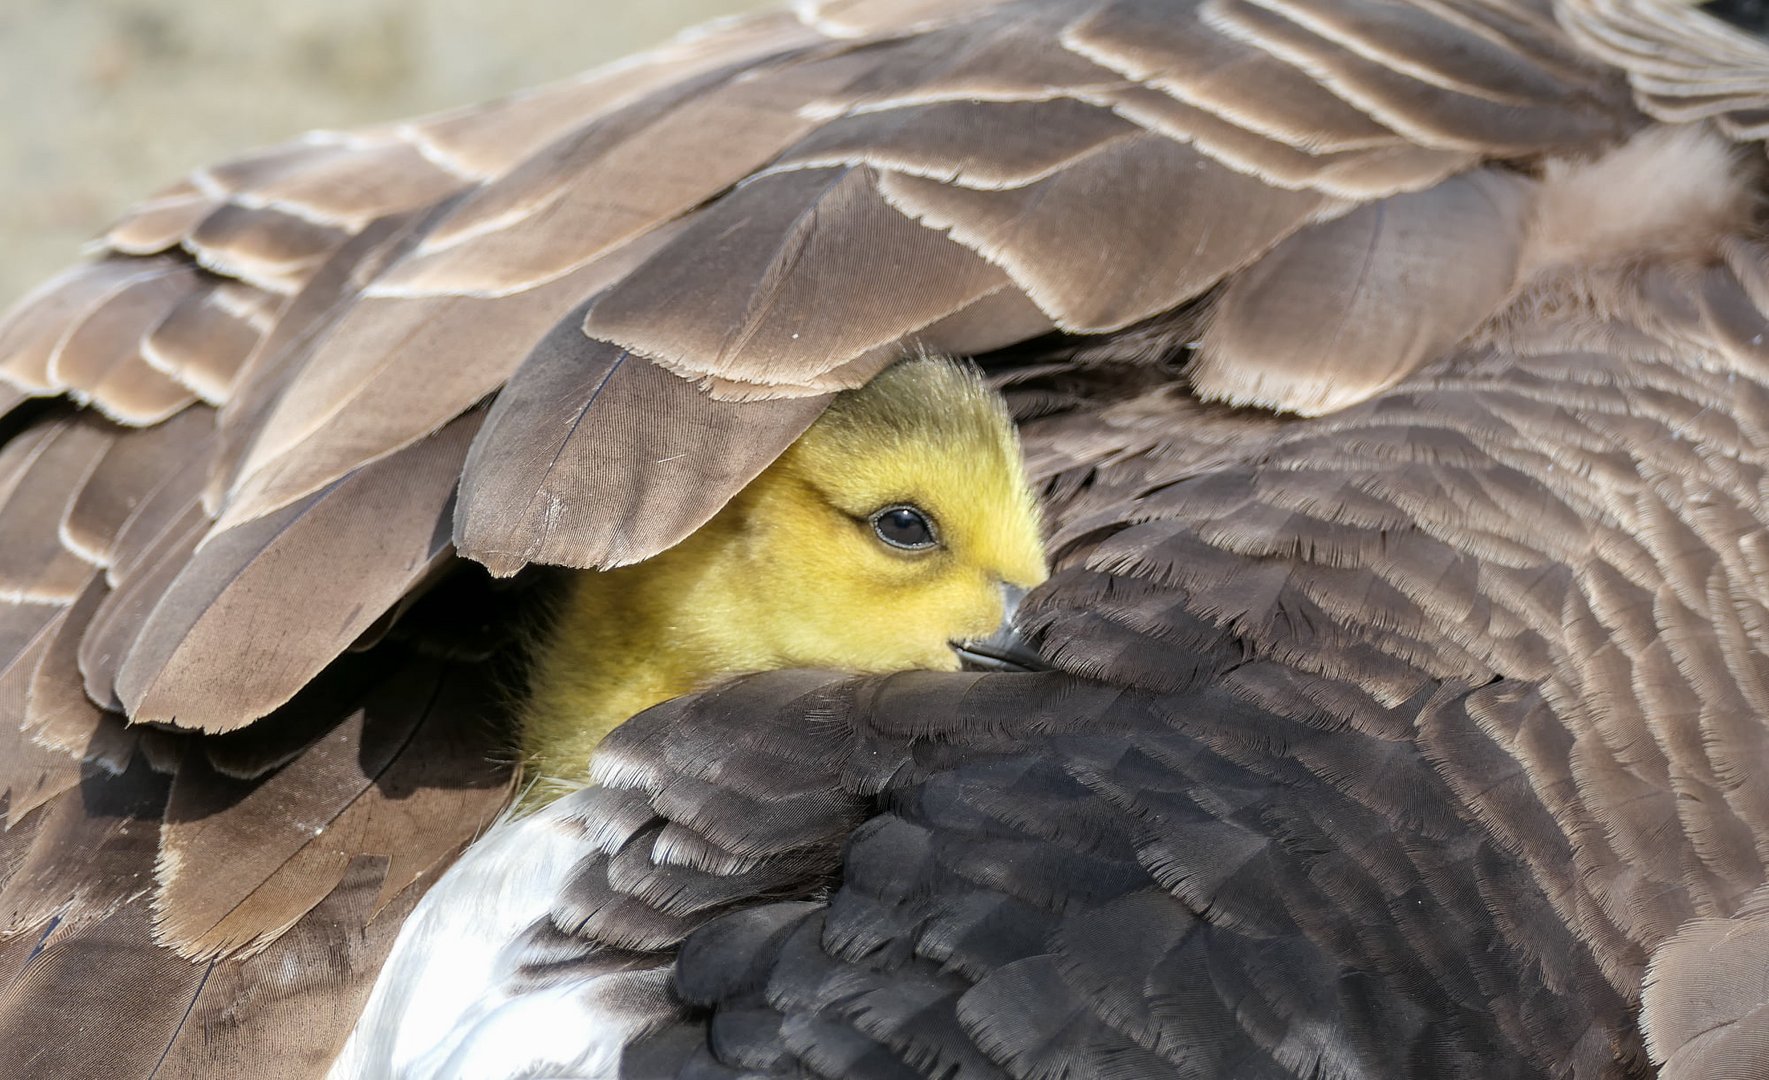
{"x": 984, "y": 618}
{"x": 943, "y": 660}
{"x": 930, "y": 646}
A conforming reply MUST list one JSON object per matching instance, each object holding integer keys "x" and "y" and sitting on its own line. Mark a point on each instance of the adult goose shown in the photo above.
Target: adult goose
{"x": 1393, "y": 377}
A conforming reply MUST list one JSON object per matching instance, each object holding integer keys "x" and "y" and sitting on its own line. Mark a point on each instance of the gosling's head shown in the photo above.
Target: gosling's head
{"x": 897, "y": 526}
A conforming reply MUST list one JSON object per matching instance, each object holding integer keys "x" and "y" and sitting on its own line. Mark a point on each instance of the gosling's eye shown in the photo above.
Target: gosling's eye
{"x": 904, "y": 527}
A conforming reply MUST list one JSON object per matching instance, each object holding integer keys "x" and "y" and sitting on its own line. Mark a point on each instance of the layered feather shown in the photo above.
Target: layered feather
{"x": 1409, "y": 733}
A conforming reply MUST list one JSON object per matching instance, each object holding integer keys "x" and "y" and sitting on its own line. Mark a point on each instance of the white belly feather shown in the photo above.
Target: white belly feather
{"x": 454, "y": 1001}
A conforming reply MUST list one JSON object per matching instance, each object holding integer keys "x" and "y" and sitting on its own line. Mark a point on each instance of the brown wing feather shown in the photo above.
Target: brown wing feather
{"x": 57, "y": 712}
{"x": 612, "y": 182}
{"x": 1366, "y": 297}
{"x": 621, "y": 440}
{"x": 856, "y": 18}
{"x": 981, "y": 144}
{"x": 408, "y": 772}
{"x": 389, "y": 373}
{"x": 1356, "y": 174}
{"x": 1097, "y": 265}
{"x": 299, "y": 330}
{"x": 162, "y": 222}
{"x": 125, "y": 480}
{"x": 1683, "y": 65}
{"x": 1483, "y": 638}
{"x": 213, "y": 653}
{"x": 205, "y": 341}
{"x": 1184, "y": 58}
{"x": 32, "y": 331}
{"x": 284, "y": 1012}
{"x": 146, "y": 575}
{"x": 114, "y": 823}
{"x": 34, "y": 565}
{"x": 40, "y": 993}
{"x": 765, "y": 261}
{"x": 30, "y": 774}
{"x": 1415, "y": 100}
{"x": 101, "y": 359}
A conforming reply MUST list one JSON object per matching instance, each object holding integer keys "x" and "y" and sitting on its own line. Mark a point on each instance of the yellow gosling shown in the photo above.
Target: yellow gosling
{"x": 885, "y": 534}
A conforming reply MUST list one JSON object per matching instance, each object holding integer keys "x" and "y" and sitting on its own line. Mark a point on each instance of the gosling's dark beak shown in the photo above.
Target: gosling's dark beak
{"x": 1005, "y": 649}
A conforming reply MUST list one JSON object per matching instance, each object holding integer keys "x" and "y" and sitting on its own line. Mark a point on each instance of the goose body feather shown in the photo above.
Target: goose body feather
{"x": 1393, "y": 377}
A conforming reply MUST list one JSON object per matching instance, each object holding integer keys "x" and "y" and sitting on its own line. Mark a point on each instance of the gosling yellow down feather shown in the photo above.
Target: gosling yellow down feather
{"x": 793, "y": 573}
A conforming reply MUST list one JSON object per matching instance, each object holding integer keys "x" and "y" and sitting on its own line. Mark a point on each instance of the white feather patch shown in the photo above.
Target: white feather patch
{"x": 449, "y": 1003}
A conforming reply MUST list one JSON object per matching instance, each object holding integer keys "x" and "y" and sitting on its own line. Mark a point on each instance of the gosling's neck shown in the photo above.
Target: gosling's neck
{"x": 629, "y": 638}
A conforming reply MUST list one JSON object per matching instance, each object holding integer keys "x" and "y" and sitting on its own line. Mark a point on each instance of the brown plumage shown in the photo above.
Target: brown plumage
{"x": 1395, "y": 372}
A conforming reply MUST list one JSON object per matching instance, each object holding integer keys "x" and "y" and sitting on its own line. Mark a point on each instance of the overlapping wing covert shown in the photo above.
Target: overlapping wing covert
{"x": 1508, "y": 613}
{"x": 1012, "y": 168}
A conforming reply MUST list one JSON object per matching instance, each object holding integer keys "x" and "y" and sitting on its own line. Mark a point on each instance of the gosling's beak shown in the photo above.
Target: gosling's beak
{"x": 1005, "y": 649}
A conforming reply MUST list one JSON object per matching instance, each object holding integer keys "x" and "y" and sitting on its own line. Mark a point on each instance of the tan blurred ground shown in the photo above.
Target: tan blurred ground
{"x": 102, "y": 101}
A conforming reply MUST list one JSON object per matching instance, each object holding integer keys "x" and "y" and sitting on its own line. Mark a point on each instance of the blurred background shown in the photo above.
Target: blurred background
{"x": 103, "y": 101}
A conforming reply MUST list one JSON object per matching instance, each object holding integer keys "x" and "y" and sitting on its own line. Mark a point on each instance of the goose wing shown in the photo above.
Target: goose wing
{"x": 1429, "y": 681}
